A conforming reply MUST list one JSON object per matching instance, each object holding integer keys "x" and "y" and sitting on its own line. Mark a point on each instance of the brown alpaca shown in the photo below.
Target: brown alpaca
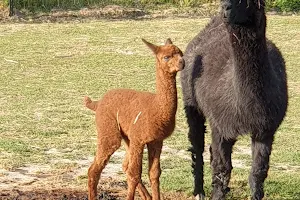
{"x": 139, "y": 118}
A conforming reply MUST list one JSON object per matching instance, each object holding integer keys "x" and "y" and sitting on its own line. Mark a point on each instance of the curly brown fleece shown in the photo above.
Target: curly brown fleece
{"x": 139, "y": 118}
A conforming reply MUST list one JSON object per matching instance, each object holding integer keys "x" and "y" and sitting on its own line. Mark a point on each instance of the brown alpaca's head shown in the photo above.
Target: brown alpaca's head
{"x": 168, "y": 56}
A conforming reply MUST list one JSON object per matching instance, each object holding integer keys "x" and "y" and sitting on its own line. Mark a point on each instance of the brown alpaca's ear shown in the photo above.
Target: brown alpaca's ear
{"x": 151, "y": 46}
{"x": 168, "y": 41}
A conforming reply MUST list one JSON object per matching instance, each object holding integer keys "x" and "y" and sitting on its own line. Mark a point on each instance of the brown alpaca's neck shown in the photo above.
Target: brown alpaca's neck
{"x": 250, "y": 56}
{"x": 166, "y": 93}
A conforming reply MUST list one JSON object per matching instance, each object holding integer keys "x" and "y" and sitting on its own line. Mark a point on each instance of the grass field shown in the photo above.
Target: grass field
{"x": 47, "y": 69}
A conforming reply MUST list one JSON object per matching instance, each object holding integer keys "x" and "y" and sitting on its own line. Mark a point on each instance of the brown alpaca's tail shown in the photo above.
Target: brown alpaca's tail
{"x": 90, "y": 104}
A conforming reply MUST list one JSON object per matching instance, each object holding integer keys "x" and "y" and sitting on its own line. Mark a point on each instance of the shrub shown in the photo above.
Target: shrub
{"x": 287, "y": 5}
{"x": 47, "y": 5}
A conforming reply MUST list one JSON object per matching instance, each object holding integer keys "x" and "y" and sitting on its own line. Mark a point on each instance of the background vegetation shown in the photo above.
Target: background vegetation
{"x": 47, "y": 5}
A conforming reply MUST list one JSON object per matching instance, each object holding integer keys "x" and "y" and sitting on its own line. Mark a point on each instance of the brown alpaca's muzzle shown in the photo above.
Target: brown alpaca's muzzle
{"x": 181, "y": 64}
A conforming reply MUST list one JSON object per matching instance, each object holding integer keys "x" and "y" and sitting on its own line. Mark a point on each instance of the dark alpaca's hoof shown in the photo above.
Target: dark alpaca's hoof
{"x": 200, "y": 197}
{"x": 239, "y": 12}
{"x": 219, "y": 193}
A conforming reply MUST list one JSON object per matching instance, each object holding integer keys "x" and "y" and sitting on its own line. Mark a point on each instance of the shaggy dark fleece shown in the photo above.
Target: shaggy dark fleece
{"x": 235, "y": 78}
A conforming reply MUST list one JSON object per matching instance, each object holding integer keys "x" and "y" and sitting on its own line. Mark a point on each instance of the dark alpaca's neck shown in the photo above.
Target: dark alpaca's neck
{"x": 166, "y": 93}
{"x": 249, "y": 52}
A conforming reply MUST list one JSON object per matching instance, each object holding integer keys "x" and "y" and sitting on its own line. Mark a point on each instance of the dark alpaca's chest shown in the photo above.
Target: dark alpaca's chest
{"x": 235, "y": 112}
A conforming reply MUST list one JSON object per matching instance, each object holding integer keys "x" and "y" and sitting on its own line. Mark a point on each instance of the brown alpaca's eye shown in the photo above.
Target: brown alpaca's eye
{"x": 167, "y": 58}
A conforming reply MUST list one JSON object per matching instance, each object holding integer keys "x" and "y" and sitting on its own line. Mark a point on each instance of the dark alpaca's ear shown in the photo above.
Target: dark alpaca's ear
{"x": 153, "y": 47}
{"x": 168, "y": 41}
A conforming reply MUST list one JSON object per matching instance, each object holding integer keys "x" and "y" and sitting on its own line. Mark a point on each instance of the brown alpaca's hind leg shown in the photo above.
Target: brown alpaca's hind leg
{"x": 108, "y": 142}
{"x": 134, "y": 169}
{"x": 154, "y": 151}
{"x": 140, "y": 187}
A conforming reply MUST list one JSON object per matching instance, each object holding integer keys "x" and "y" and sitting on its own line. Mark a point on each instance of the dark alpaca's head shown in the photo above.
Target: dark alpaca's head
{"x": 243, "y": 12}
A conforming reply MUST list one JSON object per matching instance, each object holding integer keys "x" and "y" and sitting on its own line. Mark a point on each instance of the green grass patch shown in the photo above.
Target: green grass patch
{"x": 15, "y": 146}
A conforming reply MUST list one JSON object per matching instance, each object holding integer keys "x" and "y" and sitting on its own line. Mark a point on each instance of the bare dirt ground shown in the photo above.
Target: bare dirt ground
{"x": 43, "y": 182}
{"x": 39, "y": 182}
{"x": 65, "y": 194}
{"x": 25, "y": 187}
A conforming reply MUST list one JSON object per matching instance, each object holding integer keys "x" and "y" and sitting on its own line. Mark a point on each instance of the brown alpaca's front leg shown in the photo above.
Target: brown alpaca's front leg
{"x": 140, "y": 187}
{"x": 154, "y": 151}
{"x": 134, "y": 169}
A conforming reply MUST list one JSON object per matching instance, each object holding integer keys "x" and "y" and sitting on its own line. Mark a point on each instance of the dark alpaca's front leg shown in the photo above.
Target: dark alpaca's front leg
{"x": 261, "y": 150}
{"x": 196, "y": 136}
{"x": 221, "y": 150}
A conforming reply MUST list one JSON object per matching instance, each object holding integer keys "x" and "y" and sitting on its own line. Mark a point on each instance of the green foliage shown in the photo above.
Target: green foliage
{"x": 287, "y": 5}
{"x": 4, "y": 3}
{"x": 34, "y": 5}
{"x": 182, "y": 3}
{"x": 47, "y": 5}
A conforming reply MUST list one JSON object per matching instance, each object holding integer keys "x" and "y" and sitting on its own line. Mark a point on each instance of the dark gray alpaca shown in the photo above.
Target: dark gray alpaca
{"x": 236, "y": 79}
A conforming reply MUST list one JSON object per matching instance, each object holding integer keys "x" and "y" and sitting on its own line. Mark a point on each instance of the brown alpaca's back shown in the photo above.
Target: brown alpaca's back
{"x": 128, "y": 107}
{"x": 131, "y": 109}
{"x": 140, "y": 118}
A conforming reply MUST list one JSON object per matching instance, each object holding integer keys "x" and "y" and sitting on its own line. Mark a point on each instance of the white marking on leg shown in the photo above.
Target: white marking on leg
{"x": 118, "y": 121}
{"x": 137, "y": 117}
